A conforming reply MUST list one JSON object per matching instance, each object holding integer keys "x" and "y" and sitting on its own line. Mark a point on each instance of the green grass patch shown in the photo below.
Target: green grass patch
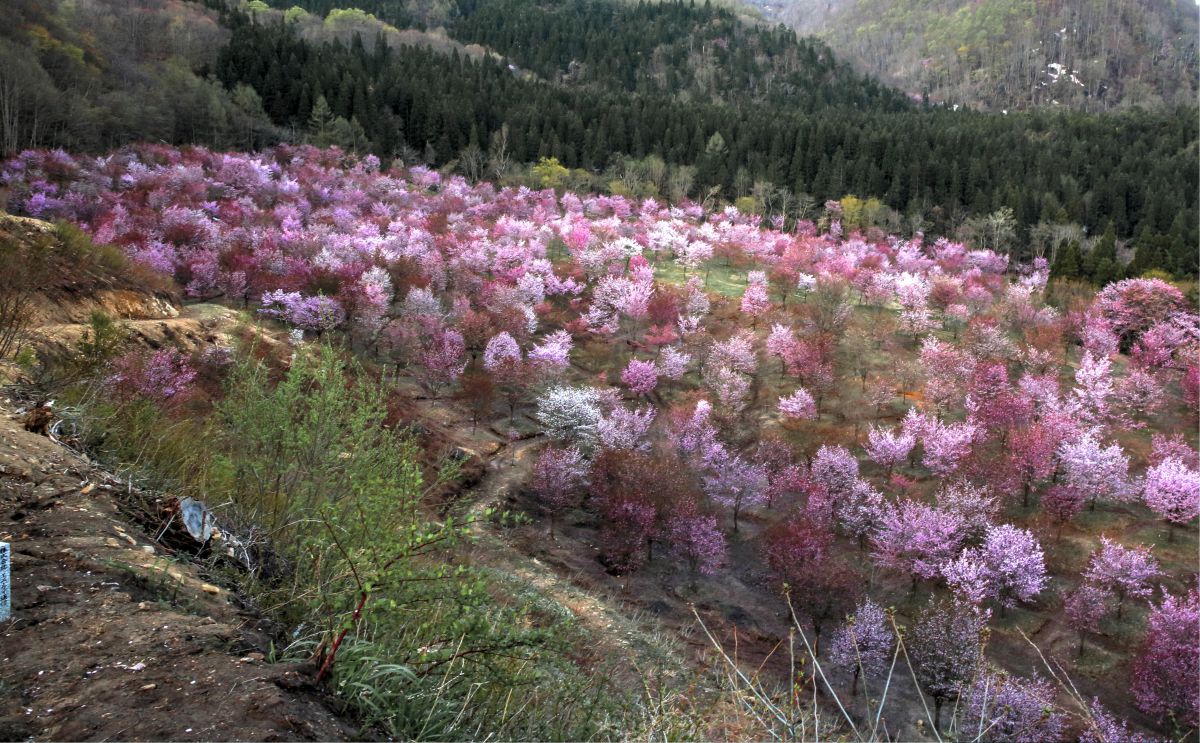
{"x": 728, "y": 281}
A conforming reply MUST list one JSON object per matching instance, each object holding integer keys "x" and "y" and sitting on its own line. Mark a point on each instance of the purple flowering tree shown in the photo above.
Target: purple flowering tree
{"x": 917, "y": 539}
{"x": 889, "y": 448}
{"x": 736, "y": 484}
{"x": 864, "y": 643}
{"x": 798, "y": 406}
{"x": 1009, "y": 567}
{"x": 1010, "y": 709}
{"x": 1127, "y": 572}
{"x": 641, "y": 377}
{"x": 558, "y": 478}
{"x": 697, "y": 539}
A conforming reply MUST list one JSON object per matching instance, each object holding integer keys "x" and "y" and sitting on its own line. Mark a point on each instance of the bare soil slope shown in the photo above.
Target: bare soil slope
{"x": 113, "y": 639}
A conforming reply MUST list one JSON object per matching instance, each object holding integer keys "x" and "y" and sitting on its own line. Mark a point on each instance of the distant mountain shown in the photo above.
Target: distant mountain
{"x": 1003, "y": 54}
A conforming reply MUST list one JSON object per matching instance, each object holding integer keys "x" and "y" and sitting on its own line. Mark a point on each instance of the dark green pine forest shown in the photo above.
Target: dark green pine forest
{"x": 720, "y": 106}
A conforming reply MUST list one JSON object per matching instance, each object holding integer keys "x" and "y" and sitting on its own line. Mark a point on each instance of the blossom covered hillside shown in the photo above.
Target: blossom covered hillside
{"x": 853, "y": 421}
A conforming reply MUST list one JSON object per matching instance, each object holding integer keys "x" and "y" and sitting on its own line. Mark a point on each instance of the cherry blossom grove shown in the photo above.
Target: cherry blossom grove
{"x": 877, "y": 420}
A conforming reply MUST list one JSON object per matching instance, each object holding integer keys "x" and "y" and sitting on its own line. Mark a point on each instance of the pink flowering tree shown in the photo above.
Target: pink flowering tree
{"x": 1062, "y": 503}
{"x": 947, "y": 445}
{"x": 553, "y": 355}
{"x": 889, "y": 448}
{"x": 798, "y": 406}
{"x": 917, "y": 539}
{"x": 1008, "y": 568}
{"x": 673, "y": 363}
{"x": 912, "y": 292}
{"x": 1191, "y": 388}
{"x": 781, "y": 344}
{"x": 502, "y": 358}
{"x": 1126, "y": 572}
{"x": 163, "y": 376}
{"x": 976, "y": 505}
{"x": 1090, "y": 467}
{"x": 624, "y": 429}
{"x": 442, "y": 361}
{"x": 816, "y": 585}
{"x": 501, "y": 351}
{"x": 1093, "y": 388}
{"x": 1133, "y": 306}
{"x": 1031, "y": 457}
{"x": 1168, "y": 663}
{"x": 641, "y": 377}
{"x": 860, "y": 512}
{"x": 1172, "y": 490}
{"x": 835, "y": 469}
{"x": 731, "y": 388}
{"x": 558, "y": 478}
{"x": 864, "y": 644}
{"x": 756, "y": 300}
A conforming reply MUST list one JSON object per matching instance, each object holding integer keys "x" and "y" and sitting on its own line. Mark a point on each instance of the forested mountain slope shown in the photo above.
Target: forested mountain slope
{"x": 939, "y": 166}
{"x": 1094, "y": 55}
{"x": 703, "y": 105}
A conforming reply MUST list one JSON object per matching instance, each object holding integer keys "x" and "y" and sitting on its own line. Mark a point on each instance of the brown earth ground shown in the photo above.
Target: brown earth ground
{"x": 113, "y": 638}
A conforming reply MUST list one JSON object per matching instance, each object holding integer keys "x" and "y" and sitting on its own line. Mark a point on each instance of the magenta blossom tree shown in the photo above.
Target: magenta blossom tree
{"x": 1086, "y": 607}
{"x": 165, "y": 375}
{"x": 756, "y": 300}
{"x": 1062, "y": 502}
{"x": 1166, "y": 669}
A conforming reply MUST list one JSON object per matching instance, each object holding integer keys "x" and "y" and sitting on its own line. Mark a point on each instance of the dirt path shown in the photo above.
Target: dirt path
{"x": 606, "y": 618}
{"x": 111, "y": 637}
